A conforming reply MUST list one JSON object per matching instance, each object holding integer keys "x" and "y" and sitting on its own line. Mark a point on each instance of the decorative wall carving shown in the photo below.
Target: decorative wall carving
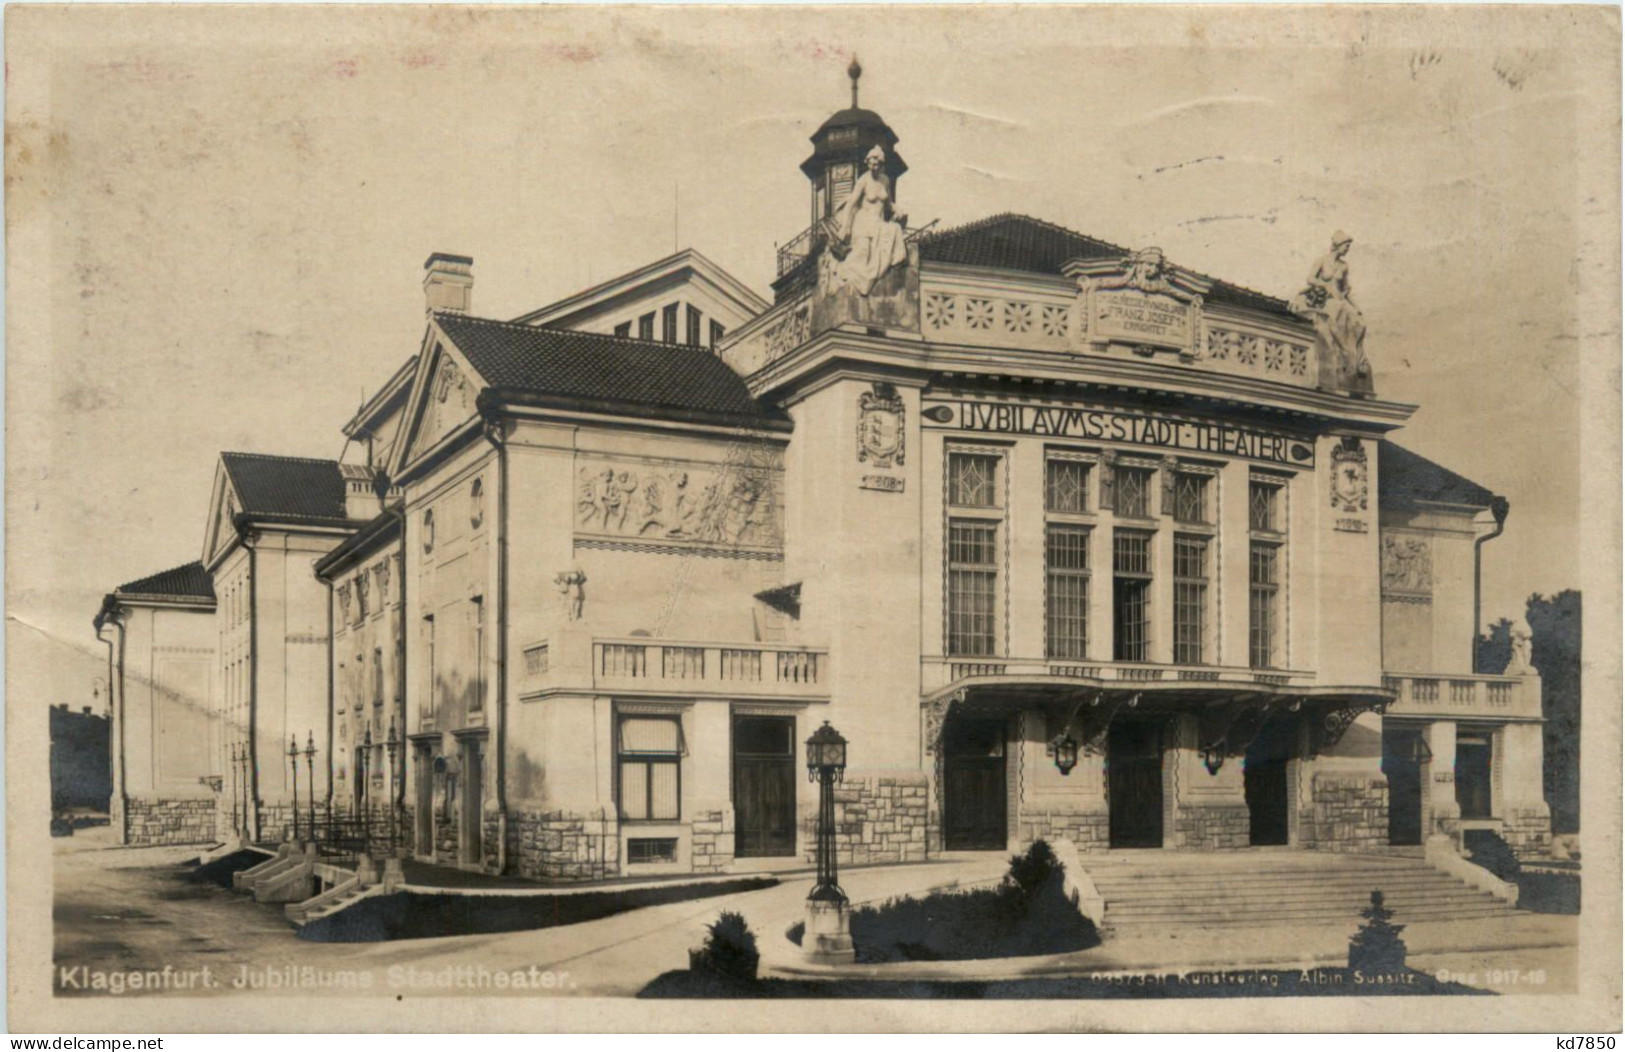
{"x": 1139, "y": 301}
{"x": 880, "y": 426}
{"x": 1350, "y": 480}
{"x": 721, "y": 505}
{"x": 790, "y": 330}
{"x": 572, "y": 585}
{"x": 1407, "y": 563}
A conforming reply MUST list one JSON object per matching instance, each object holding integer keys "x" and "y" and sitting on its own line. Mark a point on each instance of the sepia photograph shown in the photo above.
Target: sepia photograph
{"x": 1073, "y": 518}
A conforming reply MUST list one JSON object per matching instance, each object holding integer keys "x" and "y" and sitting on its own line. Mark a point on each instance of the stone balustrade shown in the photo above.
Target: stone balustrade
{"x": 1457, "y": 695}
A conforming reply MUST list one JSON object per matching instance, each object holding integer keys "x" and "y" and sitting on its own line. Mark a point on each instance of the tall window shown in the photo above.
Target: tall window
{"x": 1264, "y": 587}
{"x": 1190, "y": 598}
{"x": 648, "y": 770}
{"x": 427, "y": 706}
{"x": 973, "y": 586}
{"x": 646, "y": 326}
{"x": 668, "y": 323}
{"x": 1066, "y": 593}
{"x": 1190, "y": 498}
{"x": 377, "y": 675}
{"x": 694, "y": 327}
{"x": 717, "y": 332}
{"x": 478, "y": 617}
{"x": 1267, "y": 525}
{"x": 1133, "y": 496}
{"x": 1131, "y": 595}
{"x": 1066, "y": 485}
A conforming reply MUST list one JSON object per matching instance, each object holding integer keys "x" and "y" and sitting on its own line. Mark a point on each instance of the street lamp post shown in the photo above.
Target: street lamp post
{"x": 392, "y": 743}
{"x": 365, "y": 761}
{"x": 243, "y": 761}
{"x": 827, "y": 937}
{"x": 293, "y": 758}
{"x": 310, "y": 773}
{"x": 236, "y": 826}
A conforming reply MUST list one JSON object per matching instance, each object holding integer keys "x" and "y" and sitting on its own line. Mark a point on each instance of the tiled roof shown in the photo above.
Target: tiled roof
{"x": 1404, "y": 477}
{"x": 1016, "y": 242}
{"x": 190, "y": 581}
{"x": 286, "y": 487}
{"x": 622, "y": 374}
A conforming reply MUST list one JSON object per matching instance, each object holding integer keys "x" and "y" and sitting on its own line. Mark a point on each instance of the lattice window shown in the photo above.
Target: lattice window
{"x": 536, "y": 659}
{"x": 1264, "y": 588}
{"x": 649, "y": 772}
{"x": 973, "y": 480}
{"x": 1264, "y": 507}
{"x": 1066, "y": 595}
{"x": 979, "y": 313}
{"x": 973, "y": 585}
{"x": 1133, "y": 496}
{"x": 1190, "y": 498}
{"x": 1131, "y": 595}
{"x": 1190, "y": 598}
{"x": 1018, "y": 317}
{"x": 939, "y": 310}
{"x": 1066, "y": 485}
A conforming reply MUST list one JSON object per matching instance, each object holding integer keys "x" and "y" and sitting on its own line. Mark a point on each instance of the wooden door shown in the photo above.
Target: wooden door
{"x": 1134, "y": 783}
{"x": 473, "y": 817}
{"x": 1401, "y": 764}
{"x": 1265, "y": 783}
{"x": 764, "y": 786}
{"x": 1473, "y": 773}
{"x": 974, "y": 801}
{"x": 423, "y": 813}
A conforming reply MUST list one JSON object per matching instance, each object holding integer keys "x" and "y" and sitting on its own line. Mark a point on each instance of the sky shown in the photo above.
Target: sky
{"x": 218, "y": 218}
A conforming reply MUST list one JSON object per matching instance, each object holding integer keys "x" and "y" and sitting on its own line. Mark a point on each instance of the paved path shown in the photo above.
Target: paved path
{"x": 131, "y": 909}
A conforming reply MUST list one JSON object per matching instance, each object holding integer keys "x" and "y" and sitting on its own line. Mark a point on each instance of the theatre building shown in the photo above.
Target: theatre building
{"x": 1067, "y": 539}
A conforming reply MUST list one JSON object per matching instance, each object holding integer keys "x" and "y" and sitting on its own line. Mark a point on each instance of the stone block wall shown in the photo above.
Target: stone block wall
{"x": 711, "y": 840}
{"x": 561, "y": 847}
{"x": 1346, "y": 812}
{"x": 1213, "y": 827}
{"x": 877, "y": 819}
{"x": 149, "y": 823}
{"x": 1087, "y": 830}
{"x": 1528, "y": 831}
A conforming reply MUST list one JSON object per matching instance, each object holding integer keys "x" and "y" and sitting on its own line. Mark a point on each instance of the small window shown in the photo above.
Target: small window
{"x": 1133, "y": 497}
{"x": 717, "y": 332}
{"x": 1264, "y": 507}
{"x": 973, "y": 480}
{"x": 646, "y": 326}
{"x": 624, "y": 329}
{"x": 668, "y": 323}
{"x": 645, "y": 850}
{"x": 649, "y": 771}
{"x": 1066, "y": 485}
{"x": 476, "y": 503}
{"x": 1190, "y": 498}
{"x": 694, "y": 326}
{"x": 428, "y": 531}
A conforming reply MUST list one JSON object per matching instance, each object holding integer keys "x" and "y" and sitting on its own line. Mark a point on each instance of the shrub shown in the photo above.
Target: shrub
{"x": 1377, "y": 948}
{"x": 729, "y": 948}
{"x": 1033, "y": 869}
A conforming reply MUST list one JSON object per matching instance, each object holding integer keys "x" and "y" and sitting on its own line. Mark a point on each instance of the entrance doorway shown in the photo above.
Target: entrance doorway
{"x": 470, "y": 838}
{"x": 1404, "y": 754}
{"x": 1265, "y": 783}
{"x": 1134, "y": 783}
{"x": 764, "y": 786}
{"x": 1473, "y": 754}
{"x": 423, "y": 799}
{"x": 974, "y": 816}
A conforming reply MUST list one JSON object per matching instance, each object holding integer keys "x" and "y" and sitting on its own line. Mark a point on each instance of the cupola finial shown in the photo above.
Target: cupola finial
{"x": 854, "y": 71}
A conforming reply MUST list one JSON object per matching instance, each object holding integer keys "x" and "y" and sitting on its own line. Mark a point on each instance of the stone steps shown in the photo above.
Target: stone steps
{"x": 1280, "y": 889}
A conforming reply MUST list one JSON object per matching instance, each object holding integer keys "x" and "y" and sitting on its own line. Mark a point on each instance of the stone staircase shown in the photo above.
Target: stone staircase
{"x": 338, "y": 897}
{"x": 1277, "y": 887}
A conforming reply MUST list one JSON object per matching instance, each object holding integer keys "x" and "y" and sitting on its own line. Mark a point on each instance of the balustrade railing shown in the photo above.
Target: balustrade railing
{"x": 735, "y": 667}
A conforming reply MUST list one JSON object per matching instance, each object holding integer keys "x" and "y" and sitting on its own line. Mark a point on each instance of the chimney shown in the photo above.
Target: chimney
{"x": 361, "y": 499}
{"x": 448, "y": 282}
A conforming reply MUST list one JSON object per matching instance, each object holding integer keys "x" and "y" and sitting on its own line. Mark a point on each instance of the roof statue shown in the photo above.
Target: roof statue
{"x": 1339, "y": 324}
{"x": 870, "y": 238}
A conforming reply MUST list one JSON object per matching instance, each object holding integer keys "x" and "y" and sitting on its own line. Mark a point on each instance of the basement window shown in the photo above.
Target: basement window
{"x": 645, "y": 850}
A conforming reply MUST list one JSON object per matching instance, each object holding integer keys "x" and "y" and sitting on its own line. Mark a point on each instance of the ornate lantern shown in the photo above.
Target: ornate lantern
{"x": 1066, "y": 753}
{"x": 826, "y": 752}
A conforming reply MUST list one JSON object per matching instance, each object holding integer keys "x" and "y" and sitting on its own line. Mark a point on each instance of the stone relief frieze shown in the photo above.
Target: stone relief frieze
{"x": 720, "y": 506}
{"x": 1407, "y": 563}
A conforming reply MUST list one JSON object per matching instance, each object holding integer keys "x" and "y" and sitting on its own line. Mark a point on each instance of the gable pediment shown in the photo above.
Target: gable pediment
{"x": 224, "y": 504}
{"x": 443, "y": 399}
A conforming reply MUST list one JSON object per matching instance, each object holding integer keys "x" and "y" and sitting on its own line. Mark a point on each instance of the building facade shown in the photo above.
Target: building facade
{"x": 1068, "y": 540}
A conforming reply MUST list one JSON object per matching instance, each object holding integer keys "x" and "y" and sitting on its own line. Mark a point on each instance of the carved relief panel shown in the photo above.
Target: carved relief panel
{"x": 1407, "y": 564}
{"x": 710, "y": 505}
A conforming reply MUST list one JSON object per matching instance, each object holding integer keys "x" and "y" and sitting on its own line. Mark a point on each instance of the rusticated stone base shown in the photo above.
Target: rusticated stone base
{"x": 712, "y": 841}
{"x": 1345, "y": 813}
{"x": 877, "y": 819}
{"x": 1087, "y": 830}
{"x": 1528, "y": 831}
{"x": 1212, "y": 827}
{"x": 150, "y": 823}
{"x": 560, "y": 847}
